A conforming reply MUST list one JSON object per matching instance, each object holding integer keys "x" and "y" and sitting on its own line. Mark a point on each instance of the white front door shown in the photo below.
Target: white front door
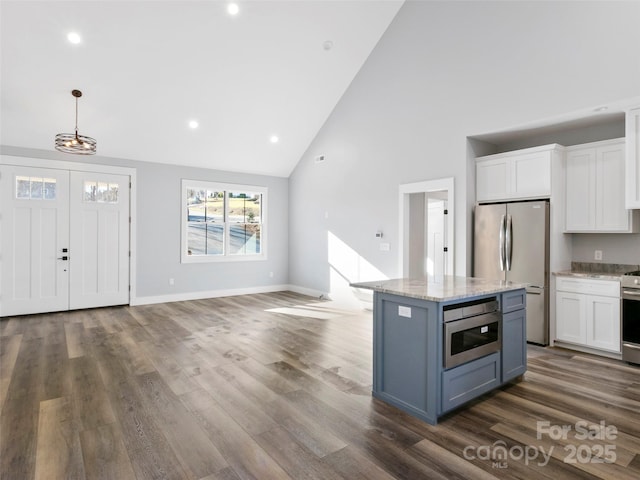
{"x": 65, "y": 240}
{"x": 34, "y": 209}
{"x": 99, "y": 246}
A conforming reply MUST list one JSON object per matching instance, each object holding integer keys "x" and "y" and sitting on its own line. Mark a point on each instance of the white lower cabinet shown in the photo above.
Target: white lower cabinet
{"x": 588, "y": 313}
{"x": 571, "y": 316}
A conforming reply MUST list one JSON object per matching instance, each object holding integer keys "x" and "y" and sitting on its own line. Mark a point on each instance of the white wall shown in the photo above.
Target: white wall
{"x": 158, "y": 232}
{"x": 444, "y": 71}
{"x": 616, "y": 247}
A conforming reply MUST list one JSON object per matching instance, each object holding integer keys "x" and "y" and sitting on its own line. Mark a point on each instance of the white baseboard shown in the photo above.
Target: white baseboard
{"x": 307, "y": 291}
{"x": 586, "y": 349}
{"x": 181, "y": 297}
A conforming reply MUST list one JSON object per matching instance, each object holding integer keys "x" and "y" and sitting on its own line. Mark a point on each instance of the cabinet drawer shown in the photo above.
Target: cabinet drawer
{"x": 605, "y": 288}
{"x": 515, "y": 300}
{"x": 468, "y": 381}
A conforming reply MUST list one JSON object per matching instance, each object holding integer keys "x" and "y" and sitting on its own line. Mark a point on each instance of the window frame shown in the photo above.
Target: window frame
{"x": 226, "y": 188}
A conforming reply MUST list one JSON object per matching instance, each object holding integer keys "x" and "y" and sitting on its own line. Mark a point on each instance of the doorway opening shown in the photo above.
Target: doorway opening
{"x": 426, "y": 228}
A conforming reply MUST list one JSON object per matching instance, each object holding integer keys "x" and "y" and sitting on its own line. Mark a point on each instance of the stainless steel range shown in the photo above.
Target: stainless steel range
{"x": 630, "y": 293}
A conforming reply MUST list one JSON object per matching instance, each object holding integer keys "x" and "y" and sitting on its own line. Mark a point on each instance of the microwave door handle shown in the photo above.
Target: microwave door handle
{"x": 508, "y": 242}
{"x": 501, "y": 243}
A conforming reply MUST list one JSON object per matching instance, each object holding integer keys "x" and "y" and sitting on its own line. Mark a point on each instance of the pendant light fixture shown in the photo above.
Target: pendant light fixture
{"x": 72, "y": 142}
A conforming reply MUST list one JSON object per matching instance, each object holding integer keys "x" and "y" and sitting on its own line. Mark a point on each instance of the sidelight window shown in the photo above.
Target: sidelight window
{"x": 222, "y": 221}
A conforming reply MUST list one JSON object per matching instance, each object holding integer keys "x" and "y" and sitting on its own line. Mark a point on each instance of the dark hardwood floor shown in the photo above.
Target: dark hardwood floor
{"x": 276, "y": 386}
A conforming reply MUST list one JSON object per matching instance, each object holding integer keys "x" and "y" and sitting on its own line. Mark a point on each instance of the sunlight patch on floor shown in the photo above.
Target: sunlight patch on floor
{"x": 324, "y": 310}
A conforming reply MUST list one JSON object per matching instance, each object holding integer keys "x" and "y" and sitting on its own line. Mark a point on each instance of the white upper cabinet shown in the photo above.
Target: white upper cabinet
{"x": 632, "y": 185}
{"x": 519, "y": 175}
{"x": 595, "y": 200}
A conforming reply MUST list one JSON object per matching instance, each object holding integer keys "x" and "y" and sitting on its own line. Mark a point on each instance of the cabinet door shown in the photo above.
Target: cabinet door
{"x": 514, "y": 345}
{"x": 611, "y": 214}
{"x": 580, "y": 190}
{"x": 531, "y": 175}
{"x": 571, "y": 317}
{"x": 632, "y": 173}
{"x": 603, "y": 323}
{"x": 492, "y": 180}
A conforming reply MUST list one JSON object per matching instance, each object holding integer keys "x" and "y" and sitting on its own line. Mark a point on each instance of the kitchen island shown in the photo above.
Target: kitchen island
{"x": 439, "y": 342}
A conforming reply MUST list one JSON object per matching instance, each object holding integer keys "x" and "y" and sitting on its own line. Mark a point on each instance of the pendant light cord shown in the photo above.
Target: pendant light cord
{"x": 76, "y": 118}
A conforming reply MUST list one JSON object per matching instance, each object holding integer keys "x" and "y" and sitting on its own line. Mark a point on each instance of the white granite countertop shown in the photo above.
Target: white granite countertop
{"x": 599, "y": 271}
{"x": 597, "y": 276}
{"x": 441, "y": 288}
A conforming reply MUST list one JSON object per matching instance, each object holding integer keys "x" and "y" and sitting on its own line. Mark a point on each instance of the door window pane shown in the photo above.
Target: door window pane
{"x": 101, "y": 192}
{"x": 112, "y": 193}
{"x": 23, "y": 187}
{"x": 36, "y": 188}
{"x": 90, "y": 191}
{"x": 49, "y": 188}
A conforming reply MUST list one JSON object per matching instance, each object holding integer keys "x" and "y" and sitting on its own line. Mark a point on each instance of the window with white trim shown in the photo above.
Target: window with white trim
{"x": 222, "y": 221}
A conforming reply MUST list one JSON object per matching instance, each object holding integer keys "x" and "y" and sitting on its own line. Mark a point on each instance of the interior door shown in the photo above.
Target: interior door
{"x": 436, "y": 231}
{"x": 99, "y": 246}
{"x": 34, "y": 213}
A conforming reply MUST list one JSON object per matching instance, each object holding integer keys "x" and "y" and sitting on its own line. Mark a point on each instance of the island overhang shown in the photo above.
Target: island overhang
{"x": 440, "y": 288}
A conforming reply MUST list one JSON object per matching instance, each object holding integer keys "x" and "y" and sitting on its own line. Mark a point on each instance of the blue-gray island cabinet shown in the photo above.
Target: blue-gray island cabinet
{"x": 439, "y": 342}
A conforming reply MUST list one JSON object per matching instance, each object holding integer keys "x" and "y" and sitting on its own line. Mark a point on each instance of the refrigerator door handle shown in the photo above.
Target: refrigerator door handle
{"x": 508, "y": 242}
{"x": 501, "y": 242}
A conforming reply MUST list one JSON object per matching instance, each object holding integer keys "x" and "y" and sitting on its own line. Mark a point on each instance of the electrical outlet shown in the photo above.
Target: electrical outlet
{"x": 270, "y": 274}
{"x": 172, "y": 282}
{"x": 384, "y": 247}
{"x": 597, "y": 255}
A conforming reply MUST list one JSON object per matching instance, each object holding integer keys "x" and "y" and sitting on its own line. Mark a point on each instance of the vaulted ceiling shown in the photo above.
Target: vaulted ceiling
{"x": 148, "y": 68}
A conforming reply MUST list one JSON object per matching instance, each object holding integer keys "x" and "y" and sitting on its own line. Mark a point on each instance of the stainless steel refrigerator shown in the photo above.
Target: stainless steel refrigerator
{"x": 511, "y": 242}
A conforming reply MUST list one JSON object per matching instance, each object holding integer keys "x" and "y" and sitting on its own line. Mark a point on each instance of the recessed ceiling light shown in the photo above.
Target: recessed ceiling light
{"x": 274, "y": 139}
{"x": 601, "y": 109}
{"x": 233, "y": 9}
{"x": 193, "y": 124}
{"x": 74, "y": 37}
